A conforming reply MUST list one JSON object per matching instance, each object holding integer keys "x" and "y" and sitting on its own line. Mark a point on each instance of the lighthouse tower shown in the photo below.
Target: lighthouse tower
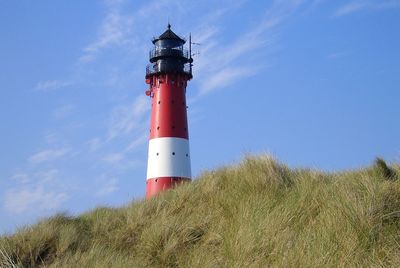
{"x": 167, "y": 74}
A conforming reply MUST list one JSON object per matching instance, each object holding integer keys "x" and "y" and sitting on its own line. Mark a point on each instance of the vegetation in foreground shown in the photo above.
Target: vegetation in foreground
{"x": 256, "y": 214}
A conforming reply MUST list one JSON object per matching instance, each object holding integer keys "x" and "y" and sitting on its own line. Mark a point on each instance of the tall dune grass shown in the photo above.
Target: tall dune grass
{"x": 258, "y": 213}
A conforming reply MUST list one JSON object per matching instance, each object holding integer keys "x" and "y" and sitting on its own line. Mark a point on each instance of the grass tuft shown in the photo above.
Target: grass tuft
{"x": 382, "y": 168}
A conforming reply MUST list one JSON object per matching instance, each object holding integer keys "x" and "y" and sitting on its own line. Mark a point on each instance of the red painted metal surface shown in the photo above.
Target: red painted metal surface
{"x": 168, "y": 114}
{"x": 168, "y": 119}
{"x": 154, "y": 186}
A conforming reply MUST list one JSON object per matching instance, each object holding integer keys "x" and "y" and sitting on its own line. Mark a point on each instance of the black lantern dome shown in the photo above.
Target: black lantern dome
{"x": 169, "y": 55}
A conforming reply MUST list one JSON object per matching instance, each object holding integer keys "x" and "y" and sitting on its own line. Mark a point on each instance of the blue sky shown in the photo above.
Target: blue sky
{"x": 315, "y": 83}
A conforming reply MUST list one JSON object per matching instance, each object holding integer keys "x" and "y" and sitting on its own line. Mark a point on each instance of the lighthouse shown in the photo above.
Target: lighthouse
{"x": 167, "y": 75}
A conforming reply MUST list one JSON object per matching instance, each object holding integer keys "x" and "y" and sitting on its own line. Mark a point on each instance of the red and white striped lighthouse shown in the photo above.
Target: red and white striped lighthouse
{"x": 167, "y": 74}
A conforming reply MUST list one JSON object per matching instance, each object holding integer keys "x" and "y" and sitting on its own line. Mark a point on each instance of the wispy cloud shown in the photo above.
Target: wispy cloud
{"x": 37, "y": 193}
{"x": 127, "y": 118}
{"x": 226, "y": 77}
{"x": 114, "y": 31}
{"x": 215, "y": 63}
{"x": 359, "y": 5}
{"x": 154, "y": 7}
{"x": 21, "y": 178}
{"x": 114, "y": 158}
{"x": 63, "y": 111}
{"x": 137, "y": 142}
{"x": 110, "y": 186}
{"x": 95, "y": 144}
{"x": 50, "y": 85}
{"x": 122, "y": 160}
{"x": 47, "y": 175}
{"x": 19, "y": 201}
{"x": 114, "y": 2}
{"x": 48, "y": 155}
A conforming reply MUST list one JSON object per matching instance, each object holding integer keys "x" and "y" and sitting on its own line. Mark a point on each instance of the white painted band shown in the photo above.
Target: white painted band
{"x": 168, "y": 157}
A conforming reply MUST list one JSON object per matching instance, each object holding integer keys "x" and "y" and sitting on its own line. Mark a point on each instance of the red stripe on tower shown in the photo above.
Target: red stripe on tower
{"x": 167, "y": 74}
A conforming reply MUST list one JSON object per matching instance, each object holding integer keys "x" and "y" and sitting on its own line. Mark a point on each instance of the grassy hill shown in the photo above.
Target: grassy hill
{"x": 256, "y": 214}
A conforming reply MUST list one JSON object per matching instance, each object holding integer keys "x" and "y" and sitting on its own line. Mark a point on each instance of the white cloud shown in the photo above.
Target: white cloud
{"x": 119, "y": 161}
{"x": 114, "y": 31}
{"x": 152, "y": 8}
{"x": 51, "y": 137}
{"x": 49, "y": 85}
{"x": 47, "y": 176}
{"x": 127, "y": 118}
{"x": 63, "y": 111}
{"x": 216, "y": 60}
{"x": 48, "y": 155}
{"x": 359, "y": 5}
{"x": 19, "y": 201}
{"x": 137, "y": 142}
{"x": 226, "y": 77}
{"x": 21, "y": 178}
{"x": 37, "y": 192}
{"x": 351, "y": 7}
{"x": 114, "y": 158}
{"x": 114, "y": 2}
{"x": 95, "y": 144}
{"x": 109, "y": 187}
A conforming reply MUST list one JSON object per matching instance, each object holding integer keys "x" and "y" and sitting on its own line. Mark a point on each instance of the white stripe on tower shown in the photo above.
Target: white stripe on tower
{"x": 168, "y": 157}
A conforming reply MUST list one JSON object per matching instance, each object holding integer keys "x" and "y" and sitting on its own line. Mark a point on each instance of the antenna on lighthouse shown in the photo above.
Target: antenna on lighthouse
{"x": 190, "y": 53}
